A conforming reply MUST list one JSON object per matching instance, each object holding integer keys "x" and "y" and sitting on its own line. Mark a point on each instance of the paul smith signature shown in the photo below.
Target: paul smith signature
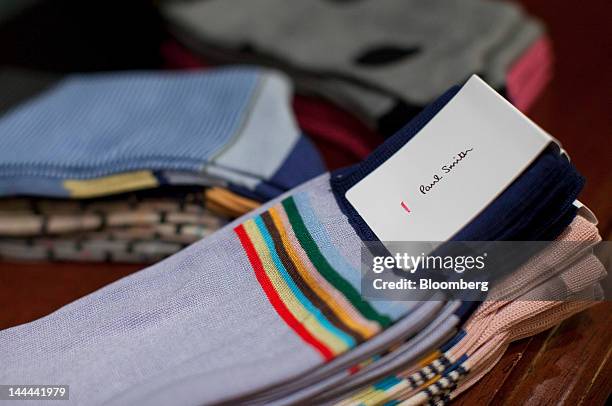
{"x": 424, "y": 189}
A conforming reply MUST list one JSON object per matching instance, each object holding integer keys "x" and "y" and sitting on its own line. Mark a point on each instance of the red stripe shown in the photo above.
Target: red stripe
{"x": 354, "y": 369}
{"x": 275, "y": 299}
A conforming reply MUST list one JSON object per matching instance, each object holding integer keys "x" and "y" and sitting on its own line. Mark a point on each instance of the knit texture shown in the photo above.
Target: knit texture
{"x": 377, "y": 59}
{"x": 93, "y": 135}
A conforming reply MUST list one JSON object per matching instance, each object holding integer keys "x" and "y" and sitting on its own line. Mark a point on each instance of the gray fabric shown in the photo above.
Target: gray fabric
{"x": 501, "y": 58}
{"x": 452, "y": 39}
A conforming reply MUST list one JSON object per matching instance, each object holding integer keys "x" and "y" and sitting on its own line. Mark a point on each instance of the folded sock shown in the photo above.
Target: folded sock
{"x": 532, "y": 327}
{"x": 546, "y": 315}
{"x": 523, "y": 286}
{"x": 229, "y": 202}
{"x": 504, "y": 324}
{"x": 150, "y": 127}
{"x": 247, "y": 301}
{"x": 380, "y": 59}
{"x": 348, "y": 366}
{"x": 578, "y": 238}
{"x": 341, "y": 138}
{"x": 483, "y": 336}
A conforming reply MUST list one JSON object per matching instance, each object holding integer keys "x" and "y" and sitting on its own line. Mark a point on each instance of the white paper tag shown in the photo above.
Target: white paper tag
{"x": 469, "y": 153}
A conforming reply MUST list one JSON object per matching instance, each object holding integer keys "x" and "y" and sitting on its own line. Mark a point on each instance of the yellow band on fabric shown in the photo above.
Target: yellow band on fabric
{"x": 107, "y": 185}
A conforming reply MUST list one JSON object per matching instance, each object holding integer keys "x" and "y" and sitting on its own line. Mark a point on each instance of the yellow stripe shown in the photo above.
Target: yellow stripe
{"x": 350, "y": 317}
{"x": 371, "y": 398}
{"x": 356, "y": 398}
{"x": 378, "y": 397}
{"x": 107, "y": 185}
{"x": 295, "y": 307}
{"x": 429, "y": 359}
{"x": 224, "y": 196}
{"x": 363, "y": 396}
{"x": 431, "y": 381}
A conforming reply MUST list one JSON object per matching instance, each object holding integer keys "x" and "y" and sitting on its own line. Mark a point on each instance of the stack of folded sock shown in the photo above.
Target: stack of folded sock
{"x": 268, "y": 310}
{"x": 162, "y": 159}
{"x": 556, "y": 283}
{"x": 134, "y": 227}
{"x": 382, "y": 60}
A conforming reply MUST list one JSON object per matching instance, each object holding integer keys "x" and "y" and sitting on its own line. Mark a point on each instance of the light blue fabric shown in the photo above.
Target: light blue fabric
{"x": 315, "y": 228}
{"x": 94, "y": 125}
{"x": 230, "y": 126}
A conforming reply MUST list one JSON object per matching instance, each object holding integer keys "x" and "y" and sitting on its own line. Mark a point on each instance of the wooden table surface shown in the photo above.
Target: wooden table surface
{"x": 570, "y": 364}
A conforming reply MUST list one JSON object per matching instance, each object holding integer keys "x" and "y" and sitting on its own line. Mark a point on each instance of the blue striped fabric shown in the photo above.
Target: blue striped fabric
{"x": 95, "y": 125}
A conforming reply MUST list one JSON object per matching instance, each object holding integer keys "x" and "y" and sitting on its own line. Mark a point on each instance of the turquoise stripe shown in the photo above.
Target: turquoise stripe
{"x": 347, "y": 339}
{"x": 387, "y": 383}
{"x": 393, "y": 309}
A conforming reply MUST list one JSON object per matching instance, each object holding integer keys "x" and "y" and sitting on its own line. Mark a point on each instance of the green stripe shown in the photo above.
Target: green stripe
{"x": 325, "y": 269}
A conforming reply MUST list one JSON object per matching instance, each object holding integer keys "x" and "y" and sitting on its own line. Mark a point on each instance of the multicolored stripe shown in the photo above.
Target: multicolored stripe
{"x": 376, "y": 394}
{"x": 415, "y": 389}
{"x": 387, "y": 389}
{"x": 323, "y": 308}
